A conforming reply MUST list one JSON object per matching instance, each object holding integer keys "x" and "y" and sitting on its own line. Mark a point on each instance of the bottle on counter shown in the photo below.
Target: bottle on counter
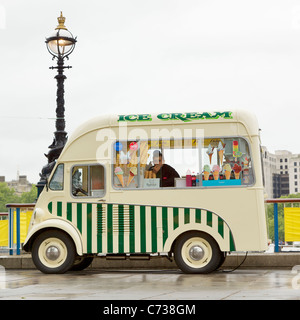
{"x": 193, "y": 180}
{"x": 188, "y": 179}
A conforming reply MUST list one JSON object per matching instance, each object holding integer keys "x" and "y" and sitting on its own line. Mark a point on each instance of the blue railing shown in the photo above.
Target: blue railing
{"x": 15, "y": 209}
{"x": 275, "y": 202}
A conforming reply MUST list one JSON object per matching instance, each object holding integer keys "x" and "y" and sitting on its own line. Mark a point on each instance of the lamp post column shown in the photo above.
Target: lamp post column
{"x": 60, "y": 45}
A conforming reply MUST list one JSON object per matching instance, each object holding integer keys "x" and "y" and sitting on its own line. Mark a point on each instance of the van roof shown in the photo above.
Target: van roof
{"x": 248, "y": 119}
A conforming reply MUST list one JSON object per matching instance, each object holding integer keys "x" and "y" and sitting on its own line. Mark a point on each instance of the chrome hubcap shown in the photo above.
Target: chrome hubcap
{"x": 52, "y": 253}
{"x": 196, "y": 253}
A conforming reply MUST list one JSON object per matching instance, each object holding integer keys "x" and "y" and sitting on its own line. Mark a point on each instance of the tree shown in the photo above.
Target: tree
{"x": 29, "y": 197}
{"x": 7, "y": 195}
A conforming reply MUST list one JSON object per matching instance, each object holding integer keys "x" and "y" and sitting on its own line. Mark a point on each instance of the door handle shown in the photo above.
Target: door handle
{"x": 102, "y": 200}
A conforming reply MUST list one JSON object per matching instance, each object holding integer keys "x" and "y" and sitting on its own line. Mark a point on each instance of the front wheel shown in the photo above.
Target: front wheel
{"x": 53, "y": 251}
{"x": 197, "y": 252}
{"x": 81, "y": 262}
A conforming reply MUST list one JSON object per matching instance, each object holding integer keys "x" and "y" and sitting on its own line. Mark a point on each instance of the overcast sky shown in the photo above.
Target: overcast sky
{"x": 138, "y": 56}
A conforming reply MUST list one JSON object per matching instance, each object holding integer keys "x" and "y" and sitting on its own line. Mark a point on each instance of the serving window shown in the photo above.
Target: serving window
{"x": 181, "y": 163}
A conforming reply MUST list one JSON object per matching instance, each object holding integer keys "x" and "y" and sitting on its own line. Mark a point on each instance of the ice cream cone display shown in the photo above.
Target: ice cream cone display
{"x": 206, "y": 172}
{"x": 227, "y": 175}
{"x": 132, "y": 173}
{"x": 237, "y": 175}
{"x": 216, "y": 170}
{"x": 237, "y": 169}
{"x": 221, "y": 149}
{"x": 235, "y": 150}
{"x": 216, "y": 175}
{"x": 133, "y": 159}
{"x": 206, "y": 175}
{"x": 143, "y": 153}
{"x": 150, "y": 174}
{"x": 227, "y": 171}
{"x": 119, "y": 174}
{"x": 210, "y": 151}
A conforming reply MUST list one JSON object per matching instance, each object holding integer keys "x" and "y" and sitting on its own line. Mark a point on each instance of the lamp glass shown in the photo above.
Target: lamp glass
{"x": 61, "y": 43}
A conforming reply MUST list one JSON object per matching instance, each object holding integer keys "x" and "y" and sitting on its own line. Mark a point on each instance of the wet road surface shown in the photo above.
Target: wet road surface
{"x": 242, "y": 284}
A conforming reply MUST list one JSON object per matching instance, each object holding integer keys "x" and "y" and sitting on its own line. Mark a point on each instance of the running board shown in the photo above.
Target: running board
{"x": 125, "y": 257}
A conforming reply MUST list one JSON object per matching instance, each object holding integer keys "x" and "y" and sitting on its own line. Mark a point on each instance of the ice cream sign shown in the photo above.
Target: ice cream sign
{"x": 186, "y": 117}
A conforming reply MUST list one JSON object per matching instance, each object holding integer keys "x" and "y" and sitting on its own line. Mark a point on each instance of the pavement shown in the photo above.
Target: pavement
{"x": 273, "y": 276}
{"x": 163, "y": 286}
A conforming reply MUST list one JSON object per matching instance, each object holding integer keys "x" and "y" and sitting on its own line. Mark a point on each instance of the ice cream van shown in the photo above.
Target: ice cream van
{"x": 185, "y": 186}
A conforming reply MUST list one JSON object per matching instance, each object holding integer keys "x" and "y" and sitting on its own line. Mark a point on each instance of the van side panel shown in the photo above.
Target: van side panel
{"x": 122, "y": 228}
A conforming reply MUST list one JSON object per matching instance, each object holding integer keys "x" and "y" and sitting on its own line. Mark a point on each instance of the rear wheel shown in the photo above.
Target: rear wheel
{"x": 197, "y": 252}
{"x": 53, "y": 251}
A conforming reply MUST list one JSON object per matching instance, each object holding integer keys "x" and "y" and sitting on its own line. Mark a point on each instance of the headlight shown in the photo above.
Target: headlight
{"x": 37, "y": 216}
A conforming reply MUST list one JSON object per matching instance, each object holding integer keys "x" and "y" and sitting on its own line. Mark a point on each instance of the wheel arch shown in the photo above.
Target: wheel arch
{"x": 225, "y": 241}
{"x": 54, "y": 224}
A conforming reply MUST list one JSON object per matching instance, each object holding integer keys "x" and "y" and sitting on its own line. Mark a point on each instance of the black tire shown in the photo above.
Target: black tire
{"x": 81, "y": 262}
{"x": 53, "y": 251}
{"x": 222, "y": 260}
{"x": 197, "y": 252}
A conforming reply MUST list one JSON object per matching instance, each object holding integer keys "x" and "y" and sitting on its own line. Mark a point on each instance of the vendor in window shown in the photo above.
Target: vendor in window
{"x": 166, "y": 173}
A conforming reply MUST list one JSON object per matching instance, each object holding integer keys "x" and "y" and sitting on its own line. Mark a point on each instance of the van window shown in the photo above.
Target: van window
{"x": 57, "y": 181}
{"x": 88, "y": 181}
{"x": 154, "y": 163}
{"x": 182, "y": 163}
{"x": 226, "y": 162}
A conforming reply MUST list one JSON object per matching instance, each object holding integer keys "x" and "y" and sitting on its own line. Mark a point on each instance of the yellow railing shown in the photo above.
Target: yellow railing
{"x": 14, "y": 230}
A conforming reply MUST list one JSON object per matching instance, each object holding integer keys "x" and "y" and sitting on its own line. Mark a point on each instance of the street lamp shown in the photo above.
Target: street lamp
{"x": 60, "y": 45}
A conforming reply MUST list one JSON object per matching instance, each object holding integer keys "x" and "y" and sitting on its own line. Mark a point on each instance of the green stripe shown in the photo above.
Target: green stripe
{"x": 79, "y": 217}
{"x": 221, "y": 227}
{"x": 121, "y": 228}
{"x": 59, "y": 208}
{"x": 131, "y": 229}
{"x": 198, "y": 215}
{"x": 165, "y": 224}
{"x": 69, "y": 211}
{"x": 143, "y": 228}
{"x": 50, "y": 207}
{"x": 209, "y": 218}
{"x": 89, "y": 227}
{"x": 186, "y": 215}
{"x": 153, "y": 229}
{"x": 231, "y": 242}
{"x": 175, "y": 218}
{"x": 109, "y": 228}
{"x": 99, "y": 227}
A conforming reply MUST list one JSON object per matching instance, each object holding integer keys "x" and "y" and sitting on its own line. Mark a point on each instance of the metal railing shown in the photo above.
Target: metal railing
{"x": 15, "y": 208}
{"x": 275, "y": 202}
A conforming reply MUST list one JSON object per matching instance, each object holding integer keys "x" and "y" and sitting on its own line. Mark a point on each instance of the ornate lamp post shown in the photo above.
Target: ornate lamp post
{"x": 60, "y": 45}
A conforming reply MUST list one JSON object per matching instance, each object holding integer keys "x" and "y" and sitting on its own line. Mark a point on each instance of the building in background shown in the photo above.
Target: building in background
{"x": 21, "y": 184}
{"x": 281, "y": 173}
